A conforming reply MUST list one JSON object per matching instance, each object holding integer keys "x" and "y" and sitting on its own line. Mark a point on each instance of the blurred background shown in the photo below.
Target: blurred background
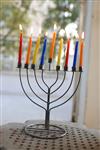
{"x": 70, "y": 16}
{"x": 34, "y": 15}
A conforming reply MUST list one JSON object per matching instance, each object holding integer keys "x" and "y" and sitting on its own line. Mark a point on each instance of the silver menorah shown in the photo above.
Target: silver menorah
{"x": 47, "y": 130}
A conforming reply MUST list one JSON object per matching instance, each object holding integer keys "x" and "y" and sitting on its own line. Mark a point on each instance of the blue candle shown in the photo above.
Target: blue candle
{"x": 43, "y": 52}
{"x": 75, "y": 56}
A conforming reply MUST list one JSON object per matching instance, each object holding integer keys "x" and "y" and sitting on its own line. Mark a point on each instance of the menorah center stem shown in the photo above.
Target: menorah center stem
{"x": 47, "y": 115}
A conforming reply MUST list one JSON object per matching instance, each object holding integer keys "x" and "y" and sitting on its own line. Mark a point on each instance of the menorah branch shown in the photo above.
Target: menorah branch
{"x": 60, "y": 84}
{"x": 42, "y": 76}
{"x": 70, "y": 96}
{"x": 26, "y": 92}
{"x": 38, "y": 82}
{"x": 55, "y": 80}
{"x": 32, "y": 89}
{"x": 65, "y": 91}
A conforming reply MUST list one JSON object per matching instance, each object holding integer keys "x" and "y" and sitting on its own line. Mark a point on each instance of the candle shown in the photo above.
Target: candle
{"x": 20, "y": 47}
{"x": 60, "y": 51}
{"x": 52, "y": 45}
{"x": 81, "y": 51}
{"x": 28, "y": 52}
{"x": 67, "y": 54}
{"x": 75, "y": 55}
{"x": 36, "y": 51}
{"x": 43, "y": 51}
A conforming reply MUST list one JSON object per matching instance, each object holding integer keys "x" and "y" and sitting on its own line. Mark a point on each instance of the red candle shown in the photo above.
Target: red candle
{"x": 20, "y": 47}
{"x": 67, "y": 54}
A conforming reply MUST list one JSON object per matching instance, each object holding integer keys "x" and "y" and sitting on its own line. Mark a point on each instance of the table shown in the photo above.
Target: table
{"x": 12, "y": 137}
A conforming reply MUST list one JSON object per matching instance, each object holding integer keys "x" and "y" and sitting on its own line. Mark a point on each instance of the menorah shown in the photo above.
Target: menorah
{"x": 46, "y": 129}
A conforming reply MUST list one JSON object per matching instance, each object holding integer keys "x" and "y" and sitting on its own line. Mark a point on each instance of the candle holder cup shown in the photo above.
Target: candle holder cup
{"x": 47, "y": 130}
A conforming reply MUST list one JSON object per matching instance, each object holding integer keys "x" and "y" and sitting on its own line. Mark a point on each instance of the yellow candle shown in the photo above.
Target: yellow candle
{"x": 60, "y": 51}
{"x": 29, "y": 51}
{"x": 36, "y": 50}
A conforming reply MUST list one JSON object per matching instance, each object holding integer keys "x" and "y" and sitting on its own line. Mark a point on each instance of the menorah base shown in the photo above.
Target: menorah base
{"x": 39, "y": 131}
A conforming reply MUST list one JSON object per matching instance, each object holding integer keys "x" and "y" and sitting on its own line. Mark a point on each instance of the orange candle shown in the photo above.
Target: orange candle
{"x": 52, "y": 45}
{"x": 81, "y": 50}
{"x": 28, "y": 51}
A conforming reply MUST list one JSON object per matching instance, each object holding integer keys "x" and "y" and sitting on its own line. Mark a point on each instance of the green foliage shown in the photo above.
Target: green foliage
{"x": 15, "y": 12}
{"x": 26, "y": 3}
{"x": 57, "y": 13}
{"x": 11, "y": 15}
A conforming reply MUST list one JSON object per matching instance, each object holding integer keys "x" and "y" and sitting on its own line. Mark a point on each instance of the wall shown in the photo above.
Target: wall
{"x": 92, "y": 115}
{"x": 89, "y": 104}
